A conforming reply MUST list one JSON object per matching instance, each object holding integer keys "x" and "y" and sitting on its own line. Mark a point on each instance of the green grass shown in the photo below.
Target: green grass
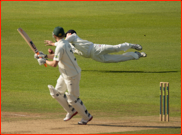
{"x": 152, "y": 131}
{"x": 128, "y": 88}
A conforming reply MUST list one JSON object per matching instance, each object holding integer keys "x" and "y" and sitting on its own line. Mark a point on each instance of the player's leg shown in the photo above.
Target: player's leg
{"x": 58, "y": 94}
{"x": 75, "y": 101}
{"x": 141, "y": 54}
{"x": 105, "y": 49}
{"x": 123, "y": 57}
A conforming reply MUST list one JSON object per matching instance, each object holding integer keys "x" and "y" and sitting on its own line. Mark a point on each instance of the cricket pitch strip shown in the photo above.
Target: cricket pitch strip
{"x": 23, "y": 123}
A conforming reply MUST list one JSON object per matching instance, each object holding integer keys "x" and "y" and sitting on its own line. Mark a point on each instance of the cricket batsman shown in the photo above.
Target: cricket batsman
{"x": 100, "y": 52}
{"x": 68, "y": 80}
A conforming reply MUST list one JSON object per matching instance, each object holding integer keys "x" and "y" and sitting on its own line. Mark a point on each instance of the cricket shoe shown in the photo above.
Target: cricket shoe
{"x": 69, "y": 116}
{"x": 141, "y": 54}
{"x": 84, "y": 122}
{"x": 136, "y": 47}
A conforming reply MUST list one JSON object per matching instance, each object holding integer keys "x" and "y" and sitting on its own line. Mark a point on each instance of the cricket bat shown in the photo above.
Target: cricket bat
{"x": 29, "y": 41}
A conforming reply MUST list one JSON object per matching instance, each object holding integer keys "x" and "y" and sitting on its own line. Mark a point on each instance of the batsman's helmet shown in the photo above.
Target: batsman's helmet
{"x": 58, "y": 31}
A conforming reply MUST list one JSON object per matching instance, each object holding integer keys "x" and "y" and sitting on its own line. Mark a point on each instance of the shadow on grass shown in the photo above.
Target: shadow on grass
{"x": 104, "y": 71}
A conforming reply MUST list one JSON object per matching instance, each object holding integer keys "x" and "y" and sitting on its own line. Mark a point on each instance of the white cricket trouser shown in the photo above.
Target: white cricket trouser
{"x": 101, "y": 53}
{"x": 71, "y": 84}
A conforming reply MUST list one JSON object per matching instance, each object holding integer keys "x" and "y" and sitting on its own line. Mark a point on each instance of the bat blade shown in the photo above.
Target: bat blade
{"x": 29, "y": 41}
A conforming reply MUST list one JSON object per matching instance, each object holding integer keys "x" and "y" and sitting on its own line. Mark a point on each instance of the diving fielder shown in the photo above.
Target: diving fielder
{"x": 68, "y": 80}
{"x": 100, "y": 52}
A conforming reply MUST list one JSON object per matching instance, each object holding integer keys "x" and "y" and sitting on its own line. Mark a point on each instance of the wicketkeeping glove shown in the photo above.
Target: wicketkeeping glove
{"x": 41, "y": 61}
{"x": 41, "y": 54}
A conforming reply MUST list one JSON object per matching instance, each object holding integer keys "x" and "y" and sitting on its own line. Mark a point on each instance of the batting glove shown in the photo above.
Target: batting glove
{"x": 41, "y": 61}
{"x": 41, "y": 55}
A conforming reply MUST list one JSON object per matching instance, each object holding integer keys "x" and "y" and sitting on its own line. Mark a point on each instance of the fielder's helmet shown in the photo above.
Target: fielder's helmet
{"x": 71, "y": 31}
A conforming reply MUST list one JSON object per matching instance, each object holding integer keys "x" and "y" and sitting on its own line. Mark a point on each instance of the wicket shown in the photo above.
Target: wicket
{"x": 164, "y": 96}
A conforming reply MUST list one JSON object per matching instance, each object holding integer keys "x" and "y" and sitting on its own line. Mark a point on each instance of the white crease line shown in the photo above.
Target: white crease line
{"x": 19, "y": 115}
{"x": 24, "y": 115}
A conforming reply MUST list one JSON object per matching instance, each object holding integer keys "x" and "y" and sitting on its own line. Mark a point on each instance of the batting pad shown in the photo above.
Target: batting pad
{"x": 61, "y": 98}
{"x": 78, "y": 105}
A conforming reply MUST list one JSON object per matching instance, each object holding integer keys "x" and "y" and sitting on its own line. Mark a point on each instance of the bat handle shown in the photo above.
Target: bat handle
{"x": 41, "y": 57}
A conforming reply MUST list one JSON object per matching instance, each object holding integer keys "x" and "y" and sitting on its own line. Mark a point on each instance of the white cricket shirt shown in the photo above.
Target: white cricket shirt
{"x": 82, "y": 45}
{"x": 68, "y": 66}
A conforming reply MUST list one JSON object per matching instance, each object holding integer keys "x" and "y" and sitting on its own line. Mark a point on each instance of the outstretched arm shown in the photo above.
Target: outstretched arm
{"x": 49, "y": 43}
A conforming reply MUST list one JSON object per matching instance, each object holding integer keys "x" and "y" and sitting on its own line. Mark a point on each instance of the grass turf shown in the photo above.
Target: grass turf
{"x": 152, "y": 131}
{"x": 128, "y": 88}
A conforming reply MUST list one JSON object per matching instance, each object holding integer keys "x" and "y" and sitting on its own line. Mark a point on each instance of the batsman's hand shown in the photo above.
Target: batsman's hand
{"x": 41, "y": 55}
{"x": 41, "y": 61}
{"x": 49, "y": 43}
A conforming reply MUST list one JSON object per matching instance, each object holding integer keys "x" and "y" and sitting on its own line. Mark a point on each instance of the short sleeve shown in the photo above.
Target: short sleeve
{"x": 58, "y": 53}
{"x": 56, "y": 43}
